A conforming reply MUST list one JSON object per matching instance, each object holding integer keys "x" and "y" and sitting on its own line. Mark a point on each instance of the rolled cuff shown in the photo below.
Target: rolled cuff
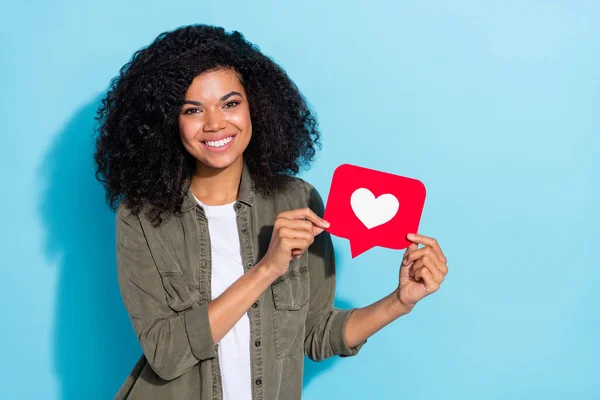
{"x": 199, "y": 333}
{"x": 338, "y": 339}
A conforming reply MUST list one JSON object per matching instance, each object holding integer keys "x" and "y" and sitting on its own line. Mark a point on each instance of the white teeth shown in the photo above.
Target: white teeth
{"x": 219, "y": 143}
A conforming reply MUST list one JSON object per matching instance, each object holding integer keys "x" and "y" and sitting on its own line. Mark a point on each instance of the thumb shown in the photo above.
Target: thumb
{"x": 405, "y": 270}
{"x": 408, "y": 250}
{"x": 411, "y": 248}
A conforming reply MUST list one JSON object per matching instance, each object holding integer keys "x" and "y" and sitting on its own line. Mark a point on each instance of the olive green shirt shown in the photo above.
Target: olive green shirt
{"x": 164, "y": 276}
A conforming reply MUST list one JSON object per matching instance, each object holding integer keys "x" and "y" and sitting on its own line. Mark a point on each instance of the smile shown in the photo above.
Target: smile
{"x": 219, "y": 145}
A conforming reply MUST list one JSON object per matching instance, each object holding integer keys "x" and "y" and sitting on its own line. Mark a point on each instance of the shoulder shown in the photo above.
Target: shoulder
{"x": 125, "y": 215}
{"x": 296, "y": 186}
{"x": 298, "y": 189}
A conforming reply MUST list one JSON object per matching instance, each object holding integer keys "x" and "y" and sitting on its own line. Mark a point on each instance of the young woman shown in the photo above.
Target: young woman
{"x": 224, "y": 262}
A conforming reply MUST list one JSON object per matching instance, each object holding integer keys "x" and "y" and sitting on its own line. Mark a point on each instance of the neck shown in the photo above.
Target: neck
{"x": 217, "y": 186}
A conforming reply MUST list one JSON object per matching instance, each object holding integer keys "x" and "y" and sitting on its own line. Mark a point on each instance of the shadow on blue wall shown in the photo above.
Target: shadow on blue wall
{"x": 313, "y": 369}
{"x": 95, "y": 346}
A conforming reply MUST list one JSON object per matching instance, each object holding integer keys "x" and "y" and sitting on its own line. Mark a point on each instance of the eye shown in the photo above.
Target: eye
{"x": 232, "y": 104}
{"x": 191, "y": 111}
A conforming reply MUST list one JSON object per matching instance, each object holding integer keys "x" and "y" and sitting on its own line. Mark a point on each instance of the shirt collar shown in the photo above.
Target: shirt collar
{"x": 245, "y": 193}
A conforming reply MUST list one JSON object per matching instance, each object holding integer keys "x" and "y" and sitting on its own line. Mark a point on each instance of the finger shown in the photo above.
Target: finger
{"x": 423, "y": 252}
{"x": 306, "y": 213}
{"x": 434, "y": 259}
{"x": 412, "y": 247}
{"x": 443, "y": 267}
{"x": 428, "y": 281}
{"x": 428, "y": 264}
{"x": 294, "y": 244}
{"x": 296, "y": 253}
{"x": 294, "y": 224}
{"x": 416, "y": 270}
{"x": 428, "y": 241}
{"x": 432, "y": 264}
{"x": 415, "y": 255}
{"x": 430, "y": 260}
{"x": 296, "y": 234}
{"x": 405, "y": 271}
{"x": 282, "y": 220}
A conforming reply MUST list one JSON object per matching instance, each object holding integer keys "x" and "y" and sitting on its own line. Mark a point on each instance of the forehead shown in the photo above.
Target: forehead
{"x": 214, "y": 84}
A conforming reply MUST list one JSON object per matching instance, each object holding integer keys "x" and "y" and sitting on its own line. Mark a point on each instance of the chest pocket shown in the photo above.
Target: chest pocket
{"x": 291, "y": 295}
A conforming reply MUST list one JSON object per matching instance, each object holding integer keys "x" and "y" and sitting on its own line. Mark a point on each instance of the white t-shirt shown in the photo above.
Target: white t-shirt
{"x": 234, "y": 348}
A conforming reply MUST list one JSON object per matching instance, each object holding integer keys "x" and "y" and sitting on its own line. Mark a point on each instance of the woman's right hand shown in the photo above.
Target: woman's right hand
{"x": 293, "y": 232}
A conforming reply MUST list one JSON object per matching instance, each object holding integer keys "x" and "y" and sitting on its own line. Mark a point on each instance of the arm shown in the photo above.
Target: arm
{"x": 366, "y": 321}
{"x": 226, "y": 310}
{"x": 421, "y": 273}
{"x": 325, "y": 324}
{"x": 174, "y": 343}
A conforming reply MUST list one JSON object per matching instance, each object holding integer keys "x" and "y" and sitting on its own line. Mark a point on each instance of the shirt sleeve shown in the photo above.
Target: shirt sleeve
{"x": 172, "y": 342}
{"x": 325, "y": 324}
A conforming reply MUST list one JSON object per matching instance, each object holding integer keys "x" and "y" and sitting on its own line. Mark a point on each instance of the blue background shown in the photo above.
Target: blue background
{"x": 494, "y": 105}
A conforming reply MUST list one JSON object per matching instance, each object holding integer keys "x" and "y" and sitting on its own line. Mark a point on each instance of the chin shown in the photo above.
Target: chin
{"x": 218, "y": 162}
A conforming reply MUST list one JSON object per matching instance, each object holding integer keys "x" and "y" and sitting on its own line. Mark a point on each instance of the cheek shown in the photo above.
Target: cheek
{"x": 187, "y": 131}
{"x": 242, "y": 119}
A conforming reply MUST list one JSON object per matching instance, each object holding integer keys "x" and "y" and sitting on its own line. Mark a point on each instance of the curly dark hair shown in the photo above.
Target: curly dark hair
{"x": 139, "y": 156}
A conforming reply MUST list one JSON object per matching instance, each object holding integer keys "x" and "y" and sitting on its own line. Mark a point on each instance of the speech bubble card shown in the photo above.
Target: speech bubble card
{"x": 373, "y": 208}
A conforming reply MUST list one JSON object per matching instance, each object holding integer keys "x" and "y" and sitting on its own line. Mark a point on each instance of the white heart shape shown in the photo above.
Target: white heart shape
{"x": 373, "y": 211}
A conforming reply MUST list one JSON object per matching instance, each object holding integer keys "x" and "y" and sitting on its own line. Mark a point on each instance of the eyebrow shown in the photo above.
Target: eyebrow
{"x": 228, "y": 95}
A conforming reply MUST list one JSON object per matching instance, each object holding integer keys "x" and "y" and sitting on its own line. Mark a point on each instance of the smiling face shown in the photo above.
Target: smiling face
{"x": 214, "y": 122}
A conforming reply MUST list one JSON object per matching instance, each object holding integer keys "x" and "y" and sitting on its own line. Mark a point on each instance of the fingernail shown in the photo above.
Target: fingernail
{"x": 327, "y": 224}
{"x": 410, "y": 236}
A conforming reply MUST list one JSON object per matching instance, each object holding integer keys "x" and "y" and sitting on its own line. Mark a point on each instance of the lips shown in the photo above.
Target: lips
{"x": 213, "y": 147}
{"x": 217, "y": 138}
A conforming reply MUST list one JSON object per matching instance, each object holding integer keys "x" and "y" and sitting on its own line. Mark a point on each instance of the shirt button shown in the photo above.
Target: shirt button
{"x": 254, "y": 305}
{"x": 238, "y": 206}
{"x": 257, "y": 343}
{"x": 258, "y": 382}
{"x": 249, "y": 265}
{"x": 244, "y": 230}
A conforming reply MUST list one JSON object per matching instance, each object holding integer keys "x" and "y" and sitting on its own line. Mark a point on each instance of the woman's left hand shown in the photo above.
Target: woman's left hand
{"x": 422, "y": 270}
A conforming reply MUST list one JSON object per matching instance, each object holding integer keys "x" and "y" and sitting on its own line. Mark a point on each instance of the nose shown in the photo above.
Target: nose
{"x": 214, "y": 121}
